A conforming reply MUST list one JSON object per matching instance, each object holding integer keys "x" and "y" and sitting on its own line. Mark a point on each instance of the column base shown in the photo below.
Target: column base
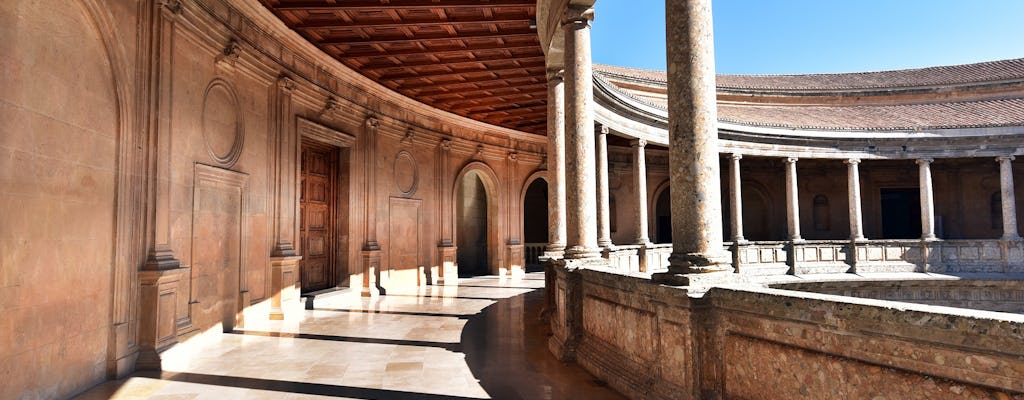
{"x": 695, "y": 269}
{"x": 158, "y": 292}
{"x": 582, "y": 253}
{"x": 284, "y": 271}
{"x": 371, "y": 274}
{"x": 448, "y": 272}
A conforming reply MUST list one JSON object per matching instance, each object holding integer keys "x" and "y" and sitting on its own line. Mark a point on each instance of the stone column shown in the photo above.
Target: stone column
{"x": 853, "y": 191}
{"x": 693, "y": 147}
{"x": 581, "y": 191}
{"x": 640, "y": 191}
{"x": 736, "y": 198}
{"x": 927, "y": 202}
{"x": 604, "y": 235}
{"x": 556, "y": 165}
{"x": 1008, "y": 202}
{"x": 792, "y": 200}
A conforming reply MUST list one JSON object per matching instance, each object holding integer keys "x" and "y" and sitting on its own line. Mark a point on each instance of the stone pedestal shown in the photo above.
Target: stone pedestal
{"x": 284, "y": 272}
{"x": 371, "y": 274}
{"x": 449, "y": 272}
{"x": 516, "y": 260}
{"x": 158, "y": 329}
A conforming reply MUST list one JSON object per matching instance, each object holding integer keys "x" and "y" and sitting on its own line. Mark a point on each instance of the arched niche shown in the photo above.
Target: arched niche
{"x": 480, "y": 179}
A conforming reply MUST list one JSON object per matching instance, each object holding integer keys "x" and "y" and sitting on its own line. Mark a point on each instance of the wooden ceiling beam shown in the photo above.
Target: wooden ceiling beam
{"x": 426, "y": 38}
{"x": 510, "y": 112}
{"x": 479, "y": 60}
{"x": 501, "y": 106}
{"x": 507, "y": 79}
{"x": 439, "y": 52}
{"x": 311, "y": 5}
{"x": 514, "y": 89}
{"x": 459, "y": 104}
{"x": 405, "y": 23}
{"x": 406, "y": 77}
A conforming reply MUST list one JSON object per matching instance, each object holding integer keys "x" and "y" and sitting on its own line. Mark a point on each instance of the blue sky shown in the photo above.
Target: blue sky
{"x": 820, "y": 36}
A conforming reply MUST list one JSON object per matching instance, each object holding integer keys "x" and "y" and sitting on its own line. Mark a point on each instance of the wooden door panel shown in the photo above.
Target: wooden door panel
{"x": 318, "y": 210}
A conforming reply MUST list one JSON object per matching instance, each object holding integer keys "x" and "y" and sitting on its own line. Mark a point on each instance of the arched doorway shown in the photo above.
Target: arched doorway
{"x": 663, "y": 217}
{"x": 472, "y": 222}
{"x": 535, "y": 222}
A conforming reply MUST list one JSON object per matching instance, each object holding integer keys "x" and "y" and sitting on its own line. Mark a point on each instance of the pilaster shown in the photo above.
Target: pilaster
{"x": 447, "y": 273}
{"x": 371, "y": 253}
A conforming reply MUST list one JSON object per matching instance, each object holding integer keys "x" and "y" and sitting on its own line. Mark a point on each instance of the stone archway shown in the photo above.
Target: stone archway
{"x": 661, "y": 218}
{"x": 478, "y": 228}
{"x": 534, "y": 219}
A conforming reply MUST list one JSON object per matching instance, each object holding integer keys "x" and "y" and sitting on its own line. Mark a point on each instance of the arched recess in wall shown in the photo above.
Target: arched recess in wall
{"x": 757, "y": 212}
{"x": 661, "y": 217}
{"x": 534, "y": 217}
{"x": 128, "y": 252}
{"x": 475, "y": 201}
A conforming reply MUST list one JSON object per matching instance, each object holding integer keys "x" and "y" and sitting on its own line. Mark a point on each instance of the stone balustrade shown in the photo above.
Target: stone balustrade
{"x": 655, "y": 341}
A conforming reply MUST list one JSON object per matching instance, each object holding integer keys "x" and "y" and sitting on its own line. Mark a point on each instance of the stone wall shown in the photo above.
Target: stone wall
{"x": 62, "y": 124}
{"x": 752, "y": 342}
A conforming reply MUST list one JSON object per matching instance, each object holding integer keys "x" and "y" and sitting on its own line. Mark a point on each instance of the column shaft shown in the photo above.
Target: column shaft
{"x": 1009, "y": 205}
{"x": 792, "y": 200}
{"x": 927, "y": 203}
{"x": 581, "y": 190}
{"x": 736, "y": 198}
{"x": 853, "y": 190}
{"x": 604, "y": 235}
{"x": 640, "y": 190}
{"x": 556, "y": 164}
{"x": 693, "y": 141}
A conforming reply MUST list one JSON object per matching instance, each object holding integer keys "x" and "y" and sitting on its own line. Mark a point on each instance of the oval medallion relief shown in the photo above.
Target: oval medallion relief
{"x": 406, "y": 173}
{"x": 222, "y": 124}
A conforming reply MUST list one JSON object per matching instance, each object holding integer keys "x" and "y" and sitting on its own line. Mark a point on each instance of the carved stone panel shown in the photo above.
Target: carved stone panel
{"x": 223, "y": 133}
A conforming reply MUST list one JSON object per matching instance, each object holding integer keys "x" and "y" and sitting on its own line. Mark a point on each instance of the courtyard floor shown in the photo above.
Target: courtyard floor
{"x": 482, "y": 339}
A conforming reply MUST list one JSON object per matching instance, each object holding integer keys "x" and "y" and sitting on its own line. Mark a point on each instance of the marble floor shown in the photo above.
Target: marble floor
{"x": 482, "y": 339}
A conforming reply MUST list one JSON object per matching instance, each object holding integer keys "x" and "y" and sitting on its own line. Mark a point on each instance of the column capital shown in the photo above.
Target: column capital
{"x": 445, "y": 145}
{"x": 286, "y": 84}
{"x": 641, "y": 143}
{"x": 924, "y": 161}
{"x": 1005, "y": 158}
{"x": 735, "y": 156}
{"x": 601, "y": 129}
{"x": 851, "y": 161}
{"x": 790, "y": 160}
{"x": 555, "y": 74}
{"x": 372, "y": 122}
{"x": 580, "y": 15}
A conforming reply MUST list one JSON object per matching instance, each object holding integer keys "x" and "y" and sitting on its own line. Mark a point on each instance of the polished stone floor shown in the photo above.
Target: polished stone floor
{"x": 481, "y": 339}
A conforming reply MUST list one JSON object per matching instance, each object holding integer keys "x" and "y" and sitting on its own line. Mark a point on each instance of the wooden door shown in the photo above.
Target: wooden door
{"x": 318, "y": 206}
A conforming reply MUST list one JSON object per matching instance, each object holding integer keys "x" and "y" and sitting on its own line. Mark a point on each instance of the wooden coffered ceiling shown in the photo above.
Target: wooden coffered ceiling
{"x": 477, "y": 58}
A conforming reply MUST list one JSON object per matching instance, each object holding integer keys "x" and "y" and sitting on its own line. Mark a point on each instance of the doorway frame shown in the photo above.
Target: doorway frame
{"x": 317, "y": 132}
